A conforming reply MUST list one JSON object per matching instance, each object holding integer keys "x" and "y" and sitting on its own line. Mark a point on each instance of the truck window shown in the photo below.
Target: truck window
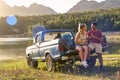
{"x": 49, "y": 36}
{"x": 52, "y": 35}
{"x": 37, "y": 39}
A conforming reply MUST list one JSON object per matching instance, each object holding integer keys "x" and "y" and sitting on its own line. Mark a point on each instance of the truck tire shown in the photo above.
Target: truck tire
{"x": 32, "y": 63}
{"x": 49, "y": 62}
{"x": 91, "y": 61}
{"x": 72, "y": 61}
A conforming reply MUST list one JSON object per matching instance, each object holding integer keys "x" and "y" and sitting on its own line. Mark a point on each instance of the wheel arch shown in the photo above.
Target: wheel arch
{"x": 47, "y": 52}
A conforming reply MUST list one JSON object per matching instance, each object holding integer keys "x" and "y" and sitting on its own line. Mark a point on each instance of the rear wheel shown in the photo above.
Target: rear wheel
{"x": 49, "y": 62}
{"x": 31, "y": 62}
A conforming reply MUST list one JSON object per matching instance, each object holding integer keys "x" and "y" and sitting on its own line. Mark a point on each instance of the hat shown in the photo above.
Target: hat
{"x": 95, "y": 23}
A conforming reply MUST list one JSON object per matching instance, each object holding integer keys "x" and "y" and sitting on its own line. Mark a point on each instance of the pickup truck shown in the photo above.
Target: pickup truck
{"x": 50, "y": 49}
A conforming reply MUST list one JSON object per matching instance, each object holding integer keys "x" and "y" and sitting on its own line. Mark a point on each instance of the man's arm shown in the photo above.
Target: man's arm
{"x": 89, "y": 34}
{"x": 98, "y": 38}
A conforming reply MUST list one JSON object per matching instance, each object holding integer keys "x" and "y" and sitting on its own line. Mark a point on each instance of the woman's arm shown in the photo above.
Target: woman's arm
{"x": 77, "y": 37}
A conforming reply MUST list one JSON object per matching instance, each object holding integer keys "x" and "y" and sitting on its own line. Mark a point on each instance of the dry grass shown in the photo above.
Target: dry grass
{"x": 113, "y": 38}
{"x": 17, "y": 69}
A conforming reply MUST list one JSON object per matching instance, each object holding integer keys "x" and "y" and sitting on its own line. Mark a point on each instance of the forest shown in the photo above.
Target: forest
{"x": 108, "y": 20}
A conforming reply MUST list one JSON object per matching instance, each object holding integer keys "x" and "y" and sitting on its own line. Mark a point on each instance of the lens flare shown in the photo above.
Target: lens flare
{"x": 11, "y": 20}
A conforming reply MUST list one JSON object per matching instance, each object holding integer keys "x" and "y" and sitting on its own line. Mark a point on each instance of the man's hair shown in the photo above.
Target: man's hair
{"x": 95, "y": 23}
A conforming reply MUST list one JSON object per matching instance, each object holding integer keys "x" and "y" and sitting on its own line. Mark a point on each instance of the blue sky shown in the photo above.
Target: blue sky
{"x": 60, "y": 6}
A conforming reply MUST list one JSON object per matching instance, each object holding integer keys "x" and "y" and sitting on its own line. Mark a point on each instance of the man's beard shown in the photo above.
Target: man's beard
{"x": 94, "y": 28}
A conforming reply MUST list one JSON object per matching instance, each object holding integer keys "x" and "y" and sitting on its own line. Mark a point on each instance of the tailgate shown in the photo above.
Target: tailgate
{"x": 71, "y": 53}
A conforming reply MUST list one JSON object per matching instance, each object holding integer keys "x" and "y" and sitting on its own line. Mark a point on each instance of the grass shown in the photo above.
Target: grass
{"x": 113, "y": 38}
{"x": 17, "y": 69}
{"x": 115, "y": 49}
{"x": 114, "y": 41}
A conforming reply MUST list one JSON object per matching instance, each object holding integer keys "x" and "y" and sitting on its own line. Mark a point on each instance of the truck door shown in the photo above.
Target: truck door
{"x": 36, "y": 46}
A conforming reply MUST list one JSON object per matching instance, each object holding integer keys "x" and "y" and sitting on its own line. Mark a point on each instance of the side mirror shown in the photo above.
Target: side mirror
{"x": 33, "y": 43}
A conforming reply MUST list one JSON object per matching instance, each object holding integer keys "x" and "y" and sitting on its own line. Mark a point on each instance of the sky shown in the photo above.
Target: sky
{"x": 60, "y": 6}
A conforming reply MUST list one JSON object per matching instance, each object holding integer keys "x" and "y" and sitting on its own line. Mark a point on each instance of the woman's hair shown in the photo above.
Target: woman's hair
{"x": 80, "y": 26}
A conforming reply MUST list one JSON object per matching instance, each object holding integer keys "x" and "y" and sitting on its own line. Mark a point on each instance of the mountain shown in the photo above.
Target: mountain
{"x": 33, "y": 9}
{"x": 4, "y": 8}
{"x": 110, "y": 4}
{"x": 92, "y": 5}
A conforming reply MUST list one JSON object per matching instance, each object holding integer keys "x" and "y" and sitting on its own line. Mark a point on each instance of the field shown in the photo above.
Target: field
{"x": 13, "y": 65}
{"x": 17, "y": 69}
{"x": 113, "y": 39}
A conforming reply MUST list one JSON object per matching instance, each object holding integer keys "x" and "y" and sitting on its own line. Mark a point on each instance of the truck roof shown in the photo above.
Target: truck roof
{"x": 54, "y": 30}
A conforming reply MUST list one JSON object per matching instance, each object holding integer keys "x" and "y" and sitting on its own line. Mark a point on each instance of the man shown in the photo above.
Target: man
{"x": 95, "y": 37}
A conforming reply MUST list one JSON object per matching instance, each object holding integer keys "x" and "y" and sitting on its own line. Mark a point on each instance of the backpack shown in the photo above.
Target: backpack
{"x": 69, "y": 41}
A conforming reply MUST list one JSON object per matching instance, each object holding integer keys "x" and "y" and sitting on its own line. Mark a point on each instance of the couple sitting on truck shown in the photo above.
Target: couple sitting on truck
{"x": 93, "y": 37}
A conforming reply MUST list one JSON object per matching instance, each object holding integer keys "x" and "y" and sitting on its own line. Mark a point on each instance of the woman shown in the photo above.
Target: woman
{"x": 81, "y": 43}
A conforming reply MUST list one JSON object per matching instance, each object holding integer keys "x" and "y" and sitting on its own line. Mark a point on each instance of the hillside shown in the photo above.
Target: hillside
{"x": 34, "y": 9}
{"x": 85, "y": 5}
{"x": 108, "y": 20}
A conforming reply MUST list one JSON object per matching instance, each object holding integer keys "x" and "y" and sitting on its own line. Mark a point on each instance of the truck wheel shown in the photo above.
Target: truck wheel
{"x": 71, "y": 61}
{"x": 92, "y": 61}
{"x": 49, "y": 62}
{"x": 32, "y": 63}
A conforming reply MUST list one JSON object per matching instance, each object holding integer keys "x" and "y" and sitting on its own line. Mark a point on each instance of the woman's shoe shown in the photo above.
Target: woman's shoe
{"x": 85, "y": 64}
